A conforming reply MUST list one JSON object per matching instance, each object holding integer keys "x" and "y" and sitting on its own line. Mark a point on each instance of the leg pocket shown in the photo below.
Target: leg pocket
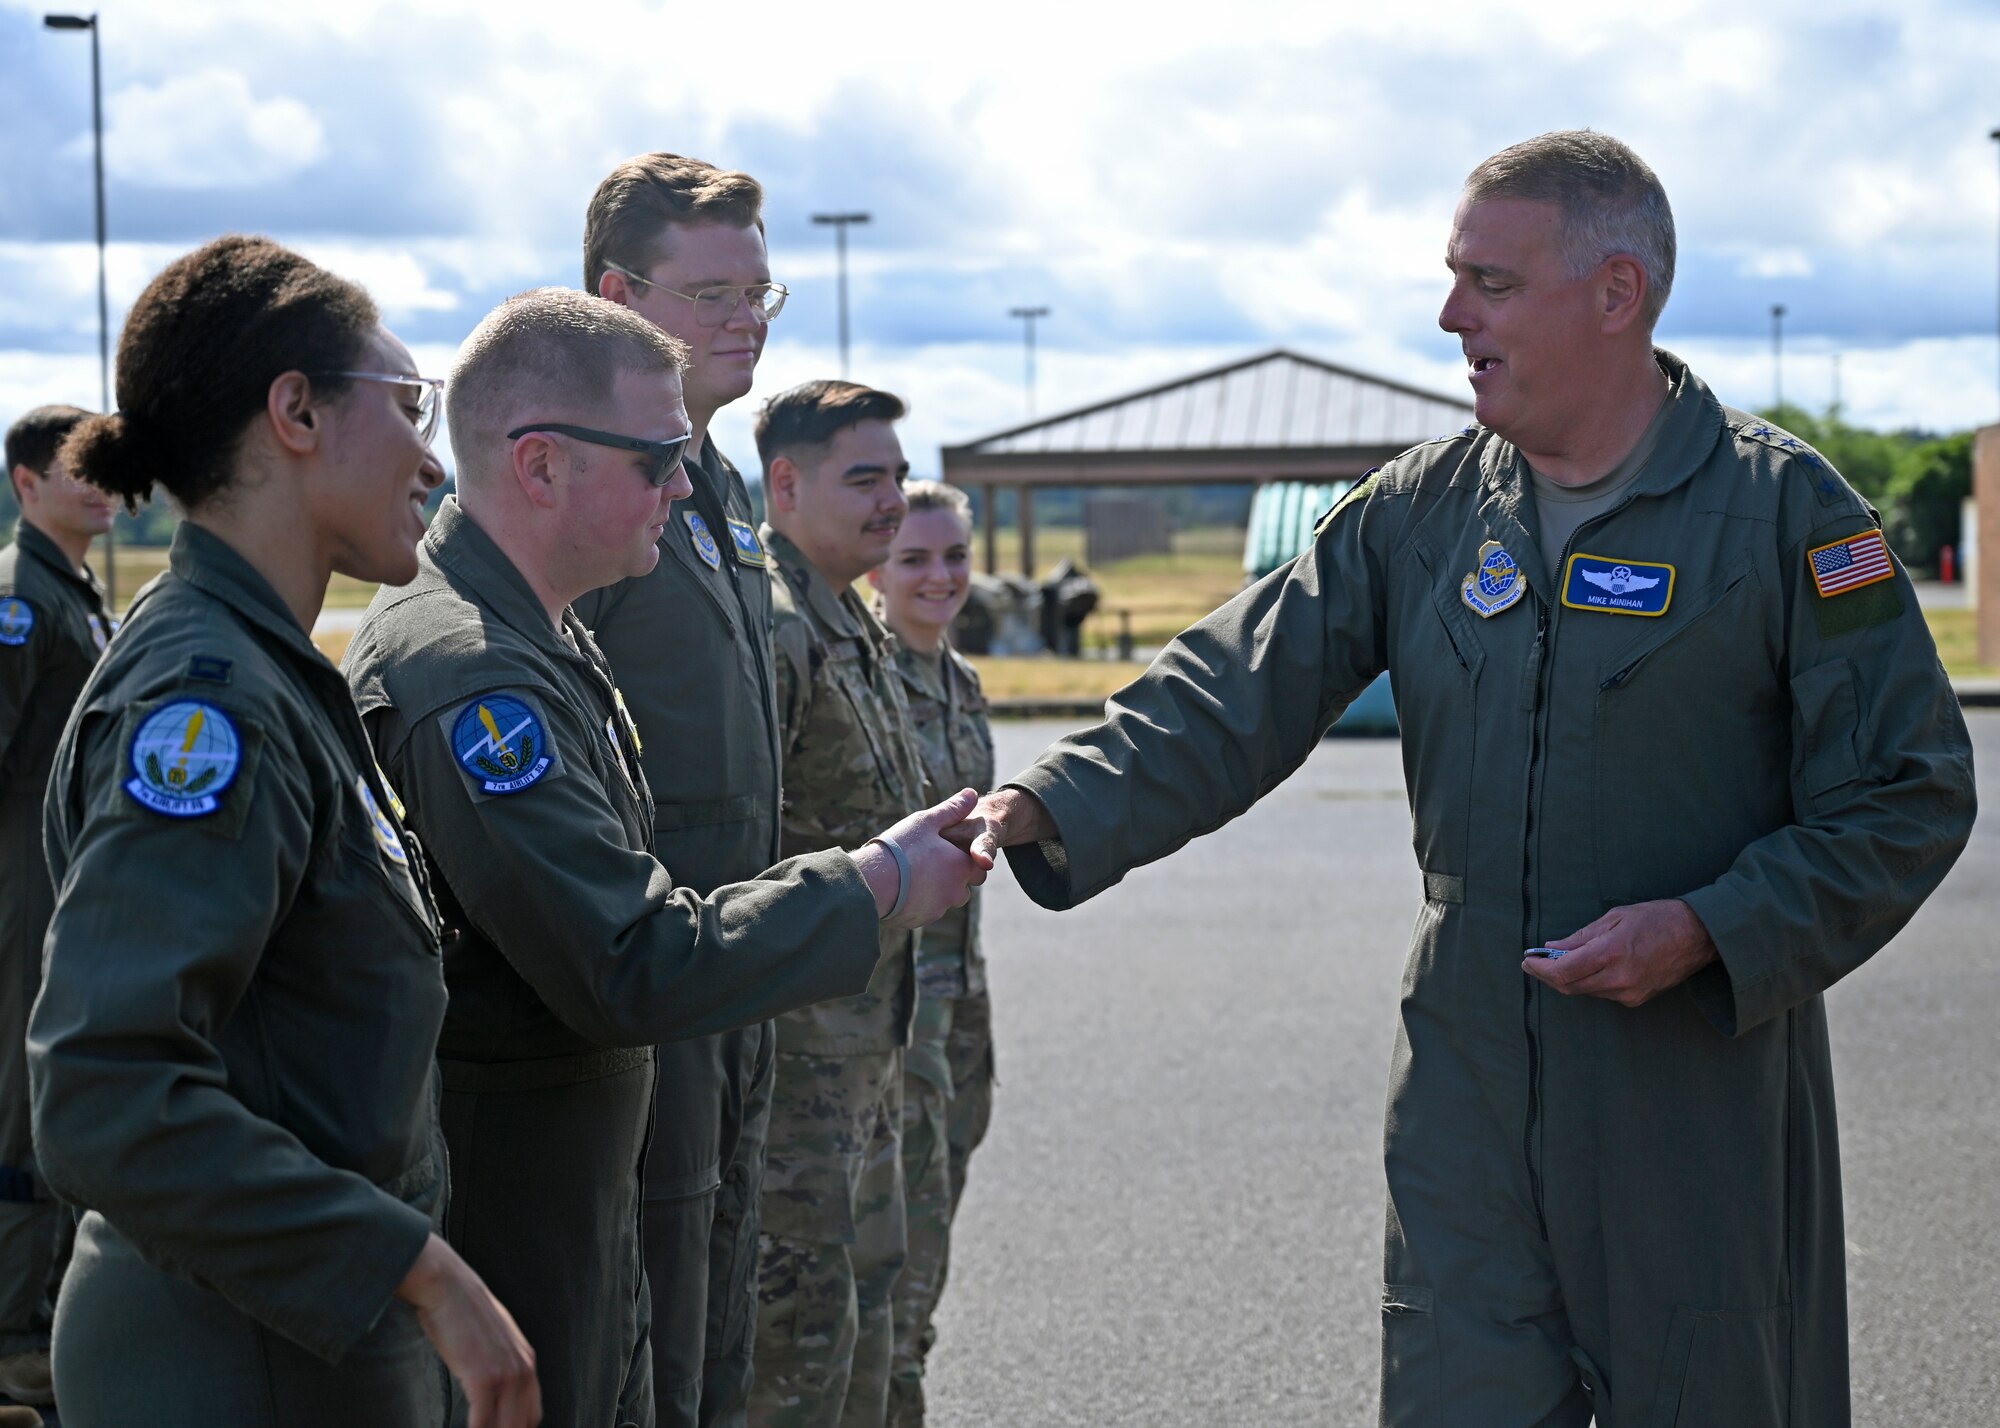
{"x": 1726, "y": 1366}
{"x": 1410, "y": 1381}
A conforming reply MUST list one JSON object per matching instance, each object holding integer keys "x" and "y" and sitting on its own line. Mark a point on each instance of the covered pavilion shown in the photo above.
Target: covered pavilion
{"x": 1277, "y": 416}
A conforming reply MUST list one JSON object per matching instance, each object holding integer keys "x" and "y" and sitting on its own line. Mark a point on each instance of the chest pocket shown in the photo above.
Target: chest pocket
{"x": 1436, "y": 663}
{"x": 377, "y": 851}
{"x": 1690, "y": 745}
{"x": 846, "y": 755}
{"x": 713, "y": 583}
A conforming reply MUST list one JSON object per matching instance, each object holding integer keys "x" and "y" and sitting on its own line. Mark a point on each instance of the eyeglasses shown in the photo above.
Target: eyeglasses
{"x": 666, "y": 455}
{"x": 430, "y": 396}
{"x": 715, "y": 306}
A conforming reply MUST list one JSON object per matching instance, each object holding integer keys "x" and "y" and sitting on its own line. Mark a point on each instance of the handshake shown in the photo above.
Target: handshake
{"x": 931, "y": 861}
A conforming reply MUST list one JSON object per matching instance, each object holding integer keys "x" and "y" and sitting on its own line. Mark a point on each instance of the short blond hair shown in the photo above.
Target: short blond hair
{"x": 639, "y": 200}
{"x": 936, "y": 496}
{"x": 551, "y": 354}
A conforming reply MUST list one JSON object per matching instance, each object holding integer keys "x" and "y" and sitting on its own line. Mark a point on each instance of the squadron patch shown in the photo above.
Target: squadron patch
{"x": 704, "y": 540}
{"x": 1496, "y": 585}
{"x": 100, "y": 634}
{"x": 1617, "y": 587}
{"x": 749, "y": 549}
{"x": 183, "y": 756}
{"x": 386, "y": 836}
{"x": 500, "y": 743}
{"x": 17, "y": 620}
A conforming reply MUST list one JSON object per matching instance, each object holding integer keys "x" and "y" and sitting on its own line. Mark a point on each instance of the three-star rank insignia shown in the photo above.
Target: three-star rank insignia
{"x": 704, "y": 540}
{"x": 1495, "y": 585}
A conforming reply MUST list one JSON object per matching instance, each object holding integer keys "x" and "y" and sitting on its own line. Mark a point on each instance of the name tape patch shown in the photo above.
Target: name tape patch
{"x": 1617, "y": 587}
{"x": 183, "y": 756}
{"x": 17, "y": 620}
{"x": 749, "y": 549}
{"x": 501, "y": 744}
{"x": 1850, "y": 564}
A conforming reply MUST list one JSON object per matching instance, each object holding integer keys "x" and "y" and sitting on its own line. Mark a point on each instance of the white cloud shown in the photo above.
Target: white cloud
{"x": 206, "y": 130}
{"x": 1776, "y": 263}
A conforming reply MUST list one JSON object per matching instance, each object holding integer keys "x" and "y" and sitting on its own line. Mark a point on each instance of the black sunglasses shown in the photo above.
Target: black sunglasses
{"x": 666, "y": 455}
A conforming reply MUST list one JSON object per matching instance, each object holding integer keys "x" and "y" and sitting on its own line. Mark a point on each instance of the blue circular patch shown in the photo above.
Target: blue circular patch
{"x": 183, "y": 756}
{"x": 500, "y": 743}
{"x": 17, "y": 620}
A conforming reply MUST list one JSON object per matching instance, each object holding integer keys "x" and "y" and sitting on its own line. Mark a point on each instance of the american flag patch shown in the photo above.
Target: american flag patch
{"x": 1850, "y": 564}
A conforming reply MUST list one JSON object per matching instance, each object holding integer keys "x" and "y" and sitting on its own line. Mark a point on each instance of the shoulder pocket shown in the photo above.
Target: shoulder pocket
{"x": 1825, "y": 713}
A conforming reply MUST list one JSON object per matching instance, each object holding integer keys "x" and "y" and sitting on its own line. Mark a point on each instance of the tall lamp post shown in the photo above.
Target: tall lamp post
{"x": 1028, "y": 316}
{"x": 1995, "y": 136}
{"x": 89, "y": 22}
{"x": 1777, "y": 354}
{"x": 839, "y": 222}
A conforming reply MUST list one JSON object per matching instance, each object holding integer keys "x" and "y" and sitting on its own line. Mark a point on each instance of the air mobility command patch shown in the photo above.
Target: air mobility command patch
{"x": 501, "y": 744}
{"x": 387, "y": 836}
{"x": 183, "y": 756}
{"x": 17, "y": 620}
{"x": 1855, "y": 579}
{"x": 1496, "y": 585}
{"x": 749, "y": 549}
{"x": 1617, "y": 587}
{"x": 704, "y": 540}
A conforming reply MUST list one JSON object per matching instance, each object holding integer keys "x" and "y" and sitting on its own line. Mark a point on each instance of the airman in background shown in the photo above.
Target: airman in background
{"x": 948, "y": 1067}
{"x": 833, "y": 1207}
{"x": 53, "y": 626}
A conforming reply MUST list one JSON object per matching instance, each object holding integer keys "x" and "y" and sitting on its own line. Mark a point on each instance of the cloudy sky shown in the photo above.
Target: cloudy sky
{"x": 1181, "y": 184}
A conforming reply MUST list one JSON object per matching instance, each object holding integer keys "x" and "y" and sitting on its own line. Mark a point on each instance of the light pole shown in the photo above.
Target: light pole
{"x": 1028, "y": 316}
{"x": 1995, "y": 136}
{"x": 839, "y": 222}
{"x": 1777, "y": 355}
{"x": 89, "y": 22}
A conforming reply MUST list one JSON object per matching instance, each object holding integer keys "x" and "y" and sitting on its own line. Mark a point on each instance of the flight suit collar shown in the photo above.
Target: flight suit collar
{"x": 458, "y": 545}
{"x": 34, "y": 541}
{"x": 847, "y": 618}
{"x": 1693, "y": 424}
{"x": 210, "y": 564}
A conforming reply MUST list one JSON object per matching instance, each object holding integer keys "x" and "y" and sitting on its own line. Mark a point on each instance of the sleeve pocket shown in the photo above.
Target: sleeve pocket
{"x": 1825, "y": 713}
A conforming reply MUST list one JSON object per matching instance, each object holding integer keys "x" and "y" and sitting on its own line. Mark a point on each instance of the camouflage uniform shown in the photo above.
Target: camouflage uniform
{"x": 948, "y": 1069}
{"x": 832, "y": 1241}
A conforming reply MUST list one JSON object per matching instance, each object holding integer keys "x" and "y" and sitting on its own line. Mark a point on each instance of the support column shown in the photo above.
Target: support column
{"x": 1024, "y": 514}
{"x": 1986, "y": 491}
{"x": 989, "y": 504}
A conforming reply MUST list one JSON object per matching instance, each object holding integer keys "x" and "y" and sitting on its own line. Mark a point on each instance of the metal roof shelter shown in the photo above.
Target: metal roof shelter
{"x": 1278, "y": 416}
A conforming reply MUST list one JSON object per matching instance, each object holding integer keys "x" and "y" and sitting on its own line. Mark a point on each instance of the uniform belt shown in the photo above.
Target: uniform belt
{"x": 672, "y": 817}
{"x": 543, "y": 1071}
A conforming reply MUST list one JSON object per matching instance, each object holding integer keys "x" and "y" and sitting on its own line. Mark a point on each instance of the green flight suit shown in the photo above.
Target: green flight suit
{"x": 569, "y": 949}
{"x": 948, "y": 1067}
{"x": 690, "y": 643}
{"x": 833, "y": 1233}
{"x": 52, "y": 628}
{"x": 1635, "y": 1212}
{"x": 232, "y": 1052}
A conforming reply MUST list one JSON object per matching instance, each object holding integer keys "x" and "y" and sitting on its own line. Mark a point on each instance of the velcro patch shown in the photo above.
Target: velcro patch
{"x": 1849, "y": 564}
{"x": 184, "y": 756}
{"x": 501, "y": 743}
{"x": 1617, "y": 587}
{"x": 17, "y": 620}
{"x": 749, "y": 549}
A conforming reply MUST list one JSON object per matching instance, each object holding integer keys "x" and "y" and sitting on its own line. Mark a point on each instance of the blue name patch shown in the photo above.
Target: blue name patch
{"x": 183, "y": 756}
{"x": 501, "y": 744}
{"x": 17, "y": 621}
{"x": 1617, "y": 587}
{"x": 749, "y": 549}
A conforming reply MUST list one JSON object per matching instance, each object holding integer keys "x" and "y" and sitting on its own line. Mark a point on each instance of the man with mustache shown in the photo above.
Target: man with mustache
{"x": 1680, "y": 756}
{"x": 834, "y": 1231}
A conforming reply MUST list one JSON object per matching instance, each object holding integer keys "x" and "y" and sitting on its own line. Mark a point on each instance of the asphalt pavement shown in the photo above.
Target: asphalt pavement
{"x": 1177, "y": 1217}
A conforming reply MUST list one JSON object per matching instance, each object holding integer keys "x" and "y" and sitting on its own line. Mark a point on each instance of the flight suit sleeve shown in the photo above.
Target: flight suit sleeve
{"x": 1882, "y": 789}
{"x": 160, "y": 926}
{"x": 19, "y": 666}
{"x": 624, "y": 957}
{"x": 1223, "y": 715}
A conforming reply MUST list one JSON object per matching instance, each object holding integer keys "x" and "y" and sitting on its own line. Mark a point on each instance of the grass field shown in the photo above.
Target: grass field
{"x": 1163, "y": 593}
